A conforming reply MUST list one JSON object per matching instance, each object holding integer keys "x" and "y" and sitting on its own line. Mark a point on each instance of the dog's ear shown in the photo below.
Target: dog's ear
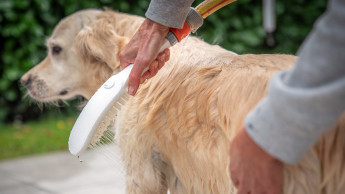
{"x": 99, "y": 41}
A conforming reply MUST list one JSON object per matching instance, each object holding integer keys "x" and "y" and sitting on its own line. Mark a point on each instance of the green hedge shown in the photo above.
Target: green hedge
{"x": 25, "y": 24}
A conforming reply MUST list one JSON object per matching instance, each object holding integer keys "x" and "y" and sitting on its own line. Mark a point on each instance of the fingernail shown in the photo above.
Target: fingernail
{"x": 154, "y": 63}
{"x": 163, "y": 57}
{"x": 131, "y": 90}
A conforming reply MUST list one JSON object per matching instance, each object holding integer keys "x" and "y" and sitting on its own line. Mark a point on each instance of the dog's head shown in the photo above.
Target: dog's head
{"x": 82, "y": 53}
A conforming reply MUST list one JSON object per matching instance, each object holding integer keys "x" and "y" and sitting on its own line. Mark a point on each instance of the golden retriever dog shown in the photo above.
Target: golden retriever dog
{"x": 176, "y": 131}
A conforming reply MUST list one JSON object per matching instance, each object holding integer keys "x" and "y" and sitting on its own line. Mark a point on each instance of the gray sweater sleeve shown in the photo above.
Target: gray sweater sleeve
{"x": 306, "y": 101}
{"x": 170, "y": 13}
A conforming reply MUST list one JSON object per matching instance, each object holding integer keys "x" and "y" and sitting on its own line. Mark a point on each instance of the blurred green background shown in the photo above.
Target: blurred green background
{"x": 28, "y": 127}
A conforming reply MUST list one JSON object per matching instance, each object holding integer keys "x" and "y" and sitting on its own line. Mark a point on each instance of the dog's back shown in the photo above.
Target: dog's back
{"x": 191, "y": 110}
{"x": 194, "y": 106}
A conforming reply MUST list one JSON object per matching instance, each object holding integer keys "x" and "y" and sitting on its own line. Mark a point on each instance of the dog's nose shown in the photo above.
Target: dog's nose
{"x": 26, "y": 81}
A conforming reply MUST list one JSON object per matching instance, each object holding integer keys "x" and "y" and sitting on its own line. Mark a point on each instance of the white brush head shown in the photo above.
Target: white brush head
{"x": 94, "y": 111}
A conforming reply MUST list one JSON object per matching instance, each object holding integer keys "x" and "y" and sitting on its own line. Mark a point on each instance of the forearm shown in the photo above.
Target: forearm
{"x": 306, "y": 101}
{"x": 170, "y": 13}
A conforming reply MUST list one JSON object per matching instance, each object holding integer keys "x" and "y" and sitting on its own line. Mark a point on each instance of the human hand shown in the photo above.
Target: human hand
{"x": 252, "y": 169}
{"x": 142, "y": 50}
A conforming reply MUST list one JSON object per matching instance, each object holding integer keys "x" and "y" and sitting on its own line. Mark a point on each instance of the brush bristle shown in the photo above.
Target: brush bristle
{"x": 105, "y": 133}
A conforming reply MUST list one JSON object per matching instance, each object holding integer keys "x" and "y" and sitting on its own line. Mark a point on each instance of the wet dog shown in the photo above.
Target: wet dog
{"x": 176, "y": 131}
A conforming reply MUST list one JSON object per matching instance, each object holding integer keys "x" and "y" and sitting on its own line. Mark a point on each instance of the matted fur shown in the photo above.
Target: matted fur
{"x": 175, "y": 133}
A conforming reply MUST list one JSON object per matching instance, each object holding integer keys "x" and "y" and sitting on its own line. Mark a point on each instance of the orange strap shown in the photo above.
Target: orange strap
{"x": 181, "y": 33}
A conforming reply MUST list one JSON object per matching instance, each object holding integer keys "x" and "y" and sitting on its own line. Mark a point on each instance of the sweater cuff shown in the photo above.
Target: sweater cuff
{"x": 167, "y": 13}
{"x": 276, "y": 135}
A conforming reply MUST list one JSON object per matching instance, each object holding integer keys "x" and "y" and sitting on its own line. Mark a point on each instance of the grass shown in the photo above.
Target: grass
{"x": 34, "y": 137}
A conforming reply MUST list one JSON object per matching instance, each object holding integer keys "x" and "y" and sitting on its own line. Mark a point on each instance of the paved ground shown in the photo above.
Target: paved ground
{"x": 62, "y": 173}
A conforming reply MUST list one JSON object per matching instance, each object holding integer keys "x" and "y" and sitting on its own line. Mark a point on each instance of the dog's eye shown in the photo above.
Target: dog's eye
{"x": 56, "y": 50}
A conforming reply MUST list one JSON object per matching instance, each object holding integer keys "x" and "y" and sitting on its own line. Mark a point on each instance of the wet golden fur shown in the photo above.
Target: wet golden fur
{"x": 175, "y": 133}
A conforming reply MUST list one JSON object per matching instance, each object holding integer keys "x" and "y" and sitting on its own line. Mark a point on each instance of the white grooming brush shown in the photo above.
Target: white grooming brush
{"x": 95, "y": 110}
{"x": 93, "y": 127}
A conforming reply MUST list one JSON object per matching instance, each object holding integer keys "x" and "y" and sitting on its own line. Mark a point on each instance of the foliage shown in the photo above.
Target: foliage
{"x": 238, "y": 27}
{"x": 24, "y": 25}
